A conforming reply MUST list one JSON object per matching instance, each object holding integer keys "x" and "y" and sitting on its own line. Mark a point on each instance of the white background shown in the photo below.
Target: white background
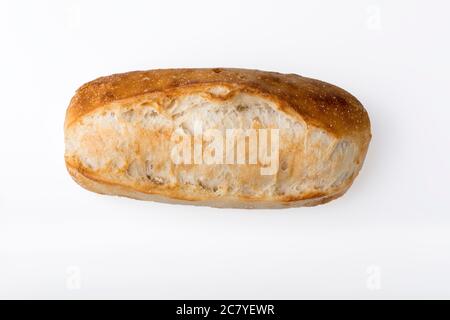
{"x": 388, "y": 237}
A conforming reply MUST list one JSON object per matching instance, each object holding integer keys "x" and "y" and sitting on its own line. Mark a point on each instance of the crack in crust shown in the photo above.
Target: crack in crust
{"x": 318, "y": 103}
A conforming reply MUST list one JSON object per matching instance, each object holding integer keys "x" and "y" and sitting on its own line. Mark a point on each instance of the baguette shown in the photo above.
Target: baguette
{"x": 216, "y": 137}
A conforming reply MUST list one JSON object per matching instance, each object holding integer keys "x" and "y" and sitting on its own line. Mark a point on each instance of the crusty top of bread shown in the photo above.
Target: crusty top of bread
{"x": 316, "y": 102}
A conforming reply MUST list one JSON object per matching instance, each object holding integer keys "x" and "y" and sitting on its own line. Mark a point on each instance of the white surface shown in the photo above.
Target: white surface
{"x": 388, "y": 237}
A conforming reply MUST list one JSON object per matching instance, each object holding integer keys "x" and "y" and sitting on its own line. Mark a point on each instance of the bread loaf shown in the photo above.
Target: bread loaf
{"x": 216, "y": 137}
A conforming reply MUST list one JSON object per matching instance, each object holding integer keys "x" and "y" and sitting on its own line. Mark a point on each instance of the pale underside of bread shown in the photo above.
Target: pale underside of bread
{"x": 223, "y": 202}
{"x": 118, "y": 137}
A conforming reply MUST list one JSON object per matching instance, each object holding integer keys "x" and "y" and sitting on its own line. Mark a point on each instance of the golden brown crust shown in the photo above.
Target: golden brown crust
{"x": 318, "y": 103}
